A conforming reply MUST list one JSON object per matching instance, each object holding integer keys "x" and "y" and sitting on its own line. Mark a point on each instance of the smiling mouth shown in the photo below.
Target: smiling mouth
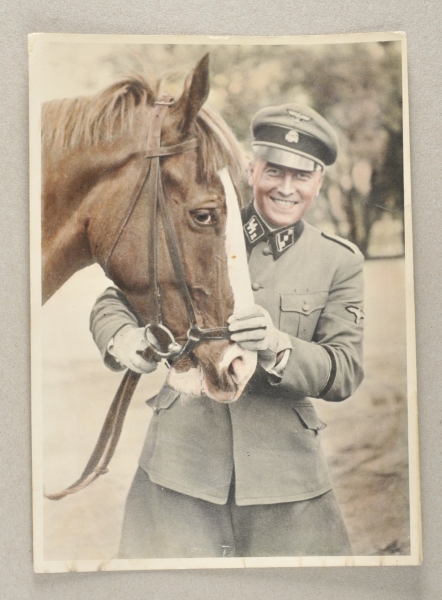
{"x": 285, "y": 203}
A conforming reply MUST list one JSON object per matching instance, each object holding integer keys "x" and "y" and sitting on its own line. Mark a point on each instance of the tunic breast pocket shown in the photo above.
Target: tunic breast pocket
{"x": 299, "y": 313}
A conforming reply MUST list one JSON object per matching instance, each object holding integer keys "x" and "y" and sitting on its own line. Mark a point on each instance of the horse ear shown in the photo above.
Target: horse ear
{"x": 196, "y": 90}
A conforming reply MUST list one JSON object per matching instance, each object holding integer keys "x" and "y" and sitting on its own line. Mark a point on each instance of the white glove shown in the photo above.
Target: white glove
{"x": 253, "y": 329}
{"x": 126, "y": 346}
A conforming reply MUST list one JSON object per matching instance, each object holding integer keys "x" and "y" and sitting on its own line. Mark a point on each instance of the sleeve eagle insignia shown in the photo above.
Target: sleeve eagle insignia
{"x": 356, "y": 312}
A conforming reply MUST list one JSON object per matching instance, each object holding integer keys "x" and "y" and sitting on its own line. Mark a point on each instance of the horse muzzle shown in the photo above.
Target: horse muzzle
{"x": 219, "y": 369}
{"x": 225, "y": 370}
{"x": 232, "y": 374}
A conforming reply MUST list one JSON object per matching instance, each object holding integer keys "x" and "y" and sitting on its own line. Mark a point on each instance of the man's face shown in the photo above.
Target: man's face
{"x": 283, "y": 195}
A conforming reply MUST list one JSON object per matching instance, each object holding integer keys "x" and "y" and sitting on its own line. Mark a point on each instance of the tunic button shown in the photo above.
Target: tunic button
{"x": 255, "y": 287}
{"x": 266, "y": 251}
{"x": 305, "y": 307}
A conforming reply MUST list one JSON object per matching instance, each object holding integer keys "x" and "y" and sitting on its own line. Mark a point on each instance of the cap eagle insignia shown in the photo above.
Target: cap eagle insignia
{"x": 298, "y": 116}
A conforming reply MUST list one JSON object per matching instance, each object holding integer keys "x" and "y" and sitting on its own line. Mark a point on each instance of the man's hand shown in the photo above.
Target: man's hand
{"x": 127, "y": 346}
{"x": 253, "y": 329}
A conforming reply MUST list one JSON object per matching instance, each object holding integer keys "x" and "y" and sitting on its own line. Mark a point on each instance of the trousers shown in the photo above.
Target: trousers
{"x": 162, "y": 523}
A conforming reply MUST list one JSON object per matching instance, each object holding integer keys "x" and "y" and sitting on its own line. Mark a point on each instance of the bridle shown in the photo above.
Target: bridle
{"x": 161, "y": 343}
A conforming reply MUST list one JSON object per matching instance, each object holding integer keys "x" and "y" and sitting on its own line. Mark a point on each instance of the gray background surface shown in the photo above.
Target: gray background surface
{"x": 422, "y": 22}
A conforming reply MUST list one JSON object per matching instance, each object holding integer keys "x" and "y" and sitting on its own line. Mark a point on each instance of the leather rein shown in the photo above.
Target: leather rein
{"x": 161, "y": 343}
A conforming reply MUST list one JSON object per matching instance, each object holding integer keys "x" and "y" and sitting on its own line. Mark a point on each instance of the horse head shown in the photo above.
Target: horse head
{"x": 98, "y": 208}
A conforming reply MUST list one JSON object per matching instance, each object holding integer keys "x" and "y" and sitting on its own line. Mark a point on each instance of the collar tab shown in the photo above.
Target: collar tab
{"x": 256, "y": 230}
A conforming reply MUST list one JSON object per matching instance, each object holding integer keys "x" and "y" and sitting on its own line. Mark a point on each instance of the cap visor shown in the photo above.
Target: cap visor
{"x": 286, "y": 158}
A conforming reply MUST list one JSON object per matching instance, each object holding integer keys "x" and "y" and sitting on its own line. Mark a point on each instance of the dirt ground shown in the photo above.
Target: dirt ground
{"x": 365, "y": 441}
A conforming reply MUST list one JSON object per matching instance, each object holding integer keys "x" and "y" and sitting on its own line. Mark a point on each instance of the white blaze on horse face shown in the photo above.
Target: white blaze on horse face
{"x": 236, "y": 248}
{"x": 242, "y": 362}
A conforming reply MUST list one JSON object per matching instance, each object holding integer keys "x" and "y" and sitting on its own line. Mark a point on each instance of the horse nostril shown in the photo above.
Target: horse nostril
{"x": 231, "y": 369}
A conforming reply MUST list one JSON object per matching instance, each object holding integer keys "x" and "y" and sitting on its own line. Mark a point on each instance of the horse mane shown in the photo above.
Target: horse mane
{"x": 111, "y": 114}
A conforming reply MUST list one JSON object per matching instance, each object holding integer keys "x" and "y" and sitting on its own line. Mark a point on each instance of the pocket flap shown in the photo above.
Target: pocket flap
{"x": 303, "y": 303}
{"x": 164, "y": 399}
{"x": 308, "y": 417}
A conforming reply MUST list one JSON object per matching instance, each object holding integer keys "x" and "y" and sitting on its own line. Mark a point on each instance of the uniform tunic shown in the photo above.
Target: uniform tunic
{"x": 265, "y": 448}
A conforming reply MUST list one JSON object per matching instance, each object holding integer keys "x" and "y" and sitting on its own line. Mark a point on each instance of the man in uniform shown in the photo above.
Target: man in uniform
{"x": 250, "y": 478}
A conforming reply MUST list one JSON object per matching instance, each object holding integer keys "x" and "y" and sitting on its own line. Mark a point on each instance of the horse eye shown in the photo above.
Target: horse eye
{"x": 204, "y": 217}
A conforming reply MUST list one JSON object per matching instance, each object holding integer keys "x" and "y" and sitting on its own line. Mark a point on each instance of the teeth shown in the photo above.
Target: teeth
{"x": 284, "y": 202}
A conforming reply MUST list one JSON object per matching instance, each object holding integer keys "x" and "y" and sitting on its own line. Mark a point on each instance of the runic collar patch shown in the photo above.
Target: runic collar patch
{"x": 256, "y": 230}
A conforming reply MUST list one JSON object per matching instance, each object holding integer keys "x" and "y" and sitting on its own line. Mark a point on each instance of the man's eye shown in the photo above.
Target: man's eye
{"x": 204, "y": 217}
{"x": 274, "y": 172}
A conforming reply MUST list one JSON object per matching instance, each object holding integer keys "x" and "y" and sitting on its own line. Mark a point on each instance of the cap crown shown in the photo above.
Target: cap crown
{"x": 295, "y": 136}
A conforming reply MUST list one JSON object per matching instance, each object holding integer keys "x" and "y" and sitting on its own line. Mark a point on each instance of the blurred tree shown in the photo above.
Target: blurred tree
{"x": 358, "y": 88}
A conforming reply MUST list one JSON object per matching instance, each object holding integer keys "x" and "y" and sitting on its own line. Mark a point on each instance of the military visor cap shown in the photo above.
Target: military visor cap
{"x": 294, "y": 136}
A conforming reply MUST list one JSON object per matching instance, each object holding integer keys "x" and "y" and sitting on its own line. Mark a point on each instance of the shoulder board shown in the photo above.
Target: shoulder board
{"x": 349, "y": 245}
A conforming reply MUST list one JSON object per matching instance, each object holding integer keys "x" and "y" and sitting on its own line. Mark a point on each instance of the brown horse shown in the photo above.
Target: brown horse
{"x": 94, "y": 169}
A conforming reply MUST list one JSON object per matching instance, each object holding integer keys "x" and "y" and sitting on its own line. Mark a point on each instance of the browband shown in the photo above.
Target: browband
{"x": 171, "y": 150}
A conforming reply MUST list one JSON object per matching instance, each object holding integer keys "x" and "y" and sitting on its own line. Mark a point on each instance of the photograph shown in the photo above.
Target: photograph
{"x": 222, "y": 312}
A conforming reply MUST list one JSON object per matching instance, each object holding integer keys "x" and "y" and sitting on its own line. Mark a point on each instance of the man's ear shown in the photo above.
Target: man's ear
{"x": 320, "y": 181}
{"x": 251, "y": 172}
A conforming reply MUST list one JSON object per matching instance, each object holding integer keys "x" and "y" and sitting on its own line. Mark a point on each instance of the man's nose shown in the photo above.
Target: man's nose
{"x": 287, "y": 185}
